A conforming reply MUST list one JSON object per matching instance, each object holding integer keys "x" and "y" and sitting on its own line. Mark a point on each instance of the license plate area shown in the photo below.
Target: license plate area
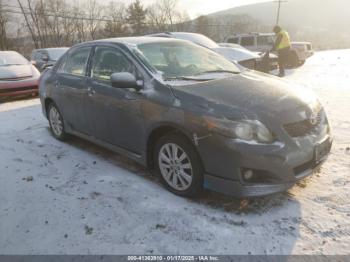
{"x": 322, "y": 149}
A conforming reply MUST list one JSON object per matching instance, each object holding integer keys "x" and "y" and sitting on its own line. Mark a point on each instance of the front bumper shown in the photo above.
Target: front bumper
{"x": 280, "y": 166}
{"x": 237, "y": 189}
{"x": 18, "y": 88}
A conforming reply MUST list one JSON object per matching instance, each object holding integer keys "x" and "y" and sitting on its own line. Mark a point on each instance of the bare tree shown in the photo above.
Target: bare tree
{"x": 94, "y": 11}
{"x": 116, "y": 12}
{"x": 156, "y": 18}
{"x": 164, "y": 15}
{"x": 3, "y": 28}
{"x": 29, "y": 24}
{"x": 202, "y": 25}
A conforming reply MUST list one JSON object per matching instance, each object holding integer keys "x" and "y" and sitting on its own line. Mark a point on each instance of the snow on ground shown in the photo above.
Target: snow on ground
{"x": 77, "y": 198}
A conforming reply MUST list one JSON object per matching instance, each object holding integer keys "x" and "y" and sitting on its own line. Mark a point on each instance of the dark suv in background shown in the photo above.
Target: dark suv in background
{"x": 188, "y": 113}
{"x": 44, "y": 58}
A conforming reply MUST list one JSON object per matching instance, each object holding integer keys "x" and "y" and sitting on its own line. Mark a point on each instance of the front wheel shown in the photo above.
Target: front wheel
{"x": 56, "y": 122}
{"x": 178, "y": 165}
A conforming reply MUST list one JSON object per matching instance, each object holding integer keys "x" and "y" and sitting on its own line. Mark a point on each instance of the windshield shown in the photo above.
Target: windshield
{"x": 180, "y": 59}
{"x": 55, "y": 54}
{"x": 12, "y": 58}
{"x": 197, "y": 39}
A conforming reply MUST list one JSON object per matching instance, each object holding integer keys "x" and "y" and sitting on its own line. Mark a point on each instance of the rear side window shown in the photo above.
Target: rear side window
{"x": 247, "y": 41}
{"x": 109, "y": 60}
{"x": 233, "y": 40}
{"x": 76, "y": 61}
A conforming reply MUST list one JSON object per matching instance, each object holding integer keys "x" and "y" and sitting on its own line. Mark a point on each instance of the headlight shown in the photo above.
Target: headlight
{"x": 247, "y": 130}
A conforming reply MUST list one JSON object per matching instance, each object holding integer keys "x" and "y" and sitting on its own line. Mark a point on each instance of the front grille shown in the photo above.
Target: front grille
{"x": 304, "y": 127}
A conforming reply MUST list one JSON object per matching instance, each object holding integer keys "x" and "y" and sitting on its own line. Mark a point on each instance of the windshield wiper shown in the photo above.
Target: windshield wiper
{"x": 183, "y": 78}
{"x": 218, "y": 71}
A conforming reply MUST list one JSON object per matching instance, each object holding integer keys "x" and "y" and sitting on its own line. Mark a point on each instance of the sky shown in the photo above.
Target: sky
{"x": 203, "y": 7}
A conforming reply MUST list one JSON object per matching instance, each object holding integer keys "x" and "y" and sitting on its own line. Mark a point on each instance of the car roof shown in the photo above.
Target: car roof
{"x": 133, "y": 40}
{"x": 50, "y": 48}
{"x": 253, "y": 34}
{"x": 170, "y": 34}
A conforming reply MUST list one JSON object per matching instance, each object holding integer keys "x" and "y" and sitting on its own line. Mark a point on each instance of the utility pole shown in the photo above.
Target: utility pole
{"x": 279, "y": 9}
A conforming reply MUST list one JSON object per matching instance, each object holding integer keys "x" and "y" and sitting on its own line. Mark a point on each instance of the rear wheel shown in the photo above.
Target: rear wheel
{"x": 178, "y": 165}
{"x": 56, "y": 122}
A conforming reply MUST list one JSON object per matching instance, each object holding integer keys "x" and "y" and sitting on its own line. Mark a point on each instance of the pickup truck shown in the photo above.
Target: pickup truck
{"x": 262, "y": 42}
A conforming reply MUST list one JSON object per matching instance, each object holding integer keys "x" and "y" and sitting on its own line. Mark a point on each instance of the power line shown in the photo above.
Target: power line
{"x": 279, "y": 9}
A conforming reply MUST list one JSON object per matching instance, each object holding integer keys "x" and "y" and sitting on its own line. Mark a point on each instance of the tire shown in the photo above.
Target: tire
{"x": 182, "y": 175}
{"x": 56, "y": 122}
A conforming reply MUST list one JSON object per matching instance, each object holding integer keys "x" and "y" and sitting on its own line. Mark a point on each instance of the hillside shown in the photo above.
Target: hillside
{"x": 325, "y": 23}
{"x": 318, "y": 14}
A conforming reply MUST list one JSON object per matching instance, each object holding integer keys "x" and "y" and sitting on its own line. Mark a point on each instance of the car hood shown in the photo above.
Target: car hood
{"x": 16, "y": 71}
{"x": 236, "y": 54}
{"x": 248, "y": 93}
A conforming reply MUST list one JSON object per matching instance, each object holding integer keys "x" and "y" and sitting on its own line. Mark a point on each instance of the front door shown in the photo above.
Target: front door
{"x": 114, "y": 112}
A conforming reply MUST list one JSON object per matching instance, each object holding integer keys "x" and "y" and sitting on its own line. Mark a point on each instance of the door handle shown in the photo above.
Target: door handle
{"x": 91, "y": 91}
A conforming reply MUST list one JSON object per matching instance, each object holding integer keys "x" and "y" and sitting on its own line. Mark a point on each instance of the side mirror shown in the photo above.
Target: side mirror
{"x": 124, "y": 80}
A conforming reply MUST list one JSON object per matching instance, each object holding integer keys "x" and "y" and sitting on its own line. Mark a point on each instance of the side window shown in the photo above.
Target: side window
{"x": 108, "y": 60}
{"x": 61, "y": 64}
{"x": 234, "y": 40}
{"x": 76, "y": 61}
{"x": 265, "y": 40}
{"x": 247, "y": 41}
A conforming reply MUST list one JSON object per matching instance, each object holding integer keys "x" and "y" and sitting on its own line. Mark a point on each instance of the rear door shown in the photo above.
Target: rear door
{"x": 71, "y": 82}
{"x": 114, "y": 113}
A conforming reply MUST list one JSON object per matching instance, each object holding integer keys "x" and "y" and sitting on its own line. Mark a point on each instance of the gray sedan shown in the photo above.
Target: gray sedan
{"x": 187, "y": 113}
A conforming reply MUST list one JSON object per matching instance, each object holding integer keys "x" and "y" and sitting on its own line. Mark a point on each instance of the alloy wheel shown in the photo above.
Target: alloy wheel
{"x": 175, "y": 166}
{"x": 55, "y": 121}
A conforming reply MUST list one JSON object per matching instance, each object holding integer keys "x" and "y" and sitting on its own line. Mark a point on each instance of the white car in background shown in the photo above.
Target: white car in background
{"x": 244, "y": 57}
{"x": 273, "y": 59}
{"x": 262, "y": 42}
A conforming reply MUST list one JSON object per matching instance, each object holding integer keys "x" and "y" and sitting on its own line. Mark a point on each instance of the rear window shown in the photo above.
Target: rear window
{"x": 12, "y": 58}
{"x": 247, "y": 41}
{"x": 55, "y": 54}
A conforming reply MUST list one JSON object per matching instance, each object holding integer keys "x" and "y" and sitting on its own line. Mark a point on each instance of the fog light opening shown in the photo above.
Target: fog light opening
{"x": 248, "y": 175}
